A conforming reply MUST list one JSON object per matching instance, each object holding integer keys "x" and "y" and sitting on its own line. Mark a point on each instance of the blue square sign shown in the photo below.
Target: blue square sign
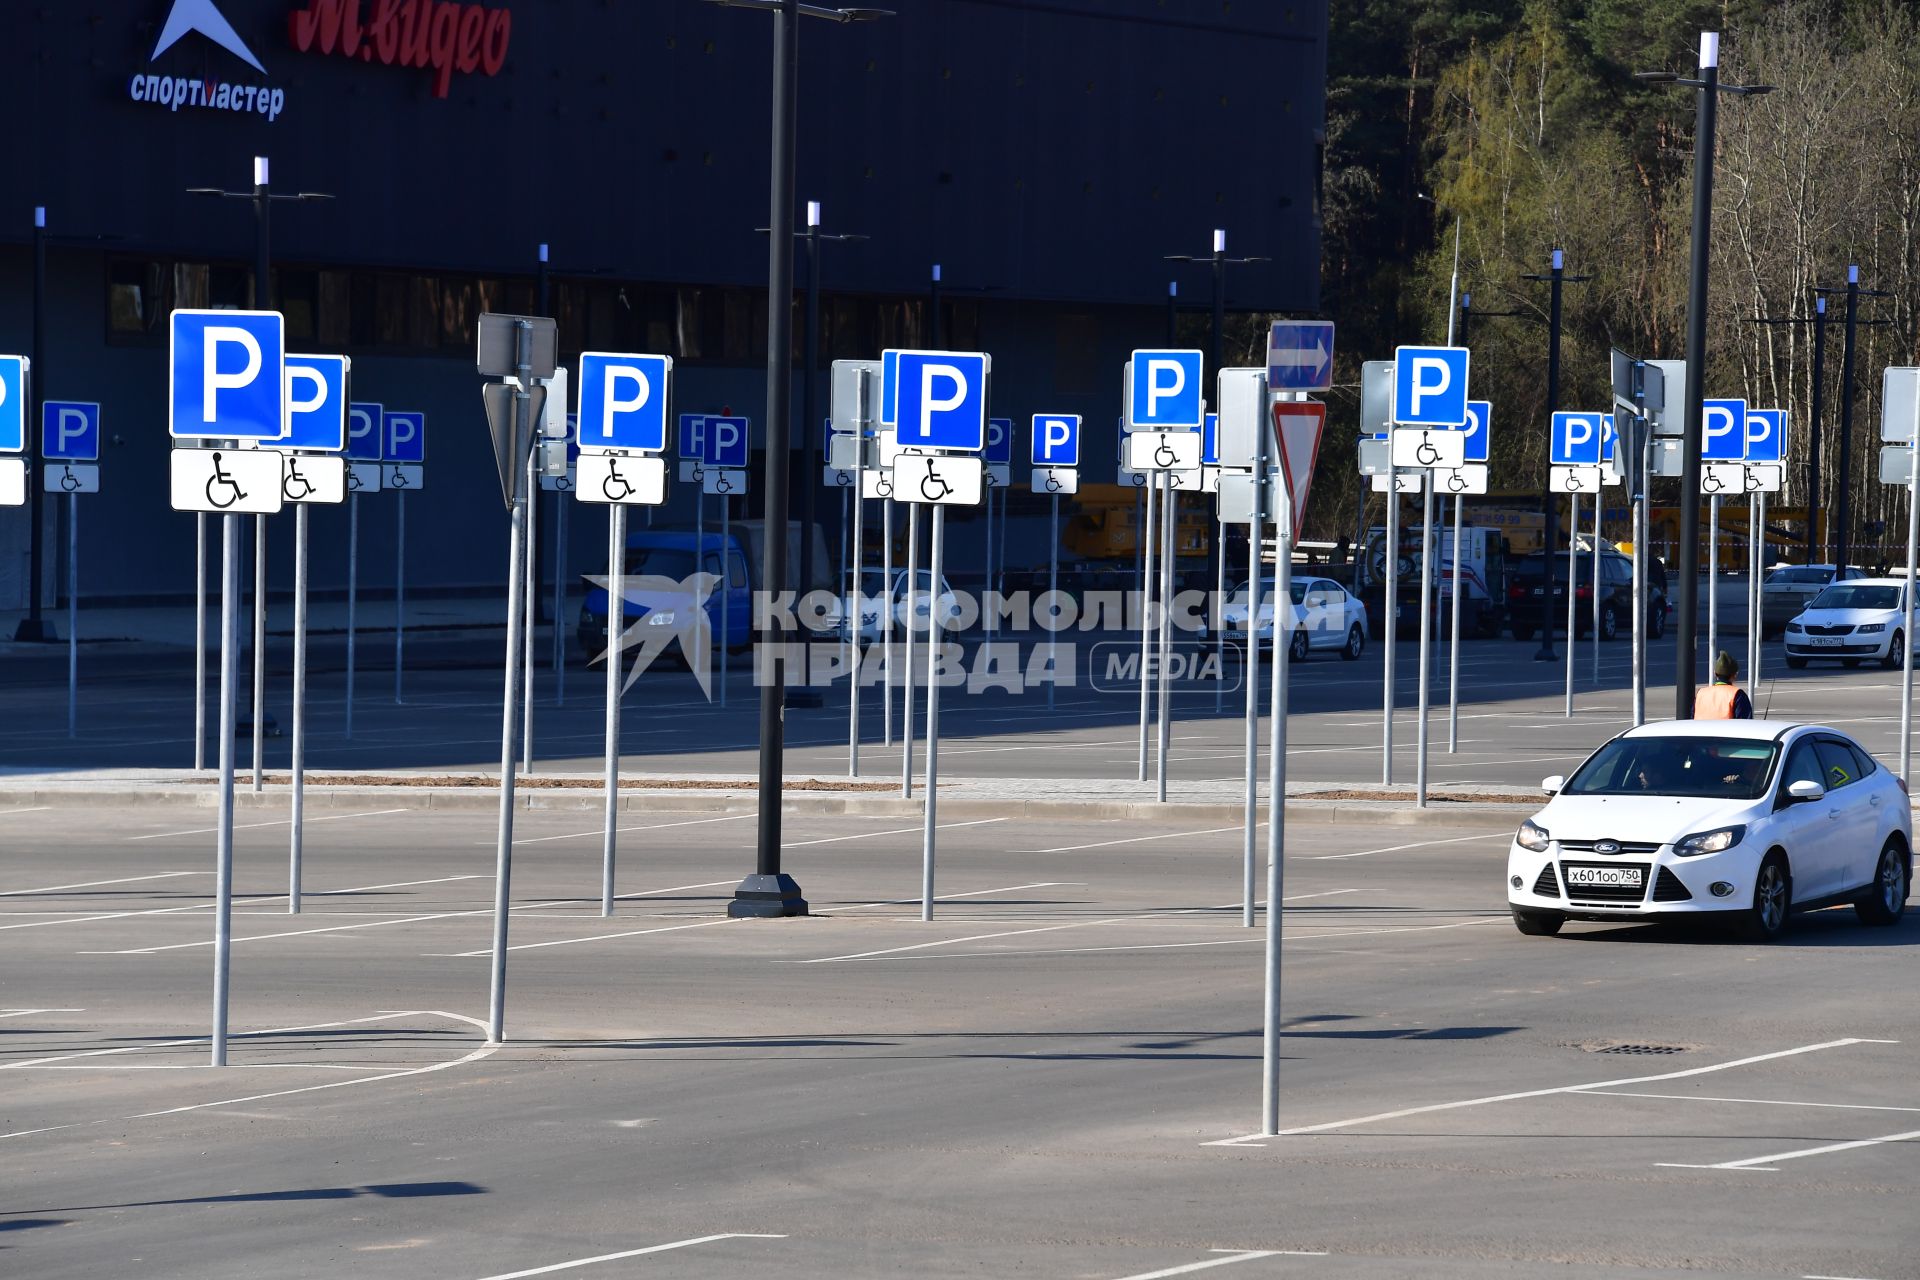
{"x": 1576, "y": 439}
{"x": 940, "y": 400}
{"x": 1430, "y": 386}
{"x": 1479, "y": 429}
{"x": 365, "y": 431}
{"x": 226, "y": 375}
{"x": 1167, "y": 391}
{"x": 1766, "y": 435}
{"x": 726, "y": 441}
{"x": 1210, "y": 441}
{"x": 70, "y": 431}
{"x": 691, "y": 440}
{"x": 999, "y": 439}
{"x": 316, "y": 403}
{"x": 13, "y": 404}
{"x": 1723, "y": 430}
{"x": 404, "y": 437}
{"x": 623, "y": 401}
{"x": 1056, "y": 440}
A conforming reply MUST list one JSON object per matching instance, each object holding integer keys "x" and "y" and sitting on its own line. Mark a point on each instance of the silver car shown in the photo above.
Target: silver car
{"x": 1789, "y": 588}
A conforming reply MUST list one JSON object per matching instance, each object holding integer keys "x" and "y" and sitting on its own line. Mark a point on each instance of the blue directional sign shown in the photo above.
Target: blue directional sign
{"x": 364, "y": 431}
{"x": 13, "y": 404}
{"x": 726, "y": 441}
{"x": 1723, "y": 430}
{"x": 70, "y": 431}
{"x": 1210, "y": 441}
{"x": 316, "y": 403}
{"x": 889, "y": 385}
{"x": 1576, "y": 439}
{"x": 1766, "y": 435}
{"x": 226, "y": 375}
{"x": 999, "y": 439}
{"x": 1167, "y": 391}
{"x": 1479, "y": 429}
{"x": 692, "y": 436}
{"x": 1300, "y": 355}
{"x": 403, "y": 437}
{"x": 1430, "y": 386}
{"x": 623, "y": 401}
{"x": 1056, "y": 439}
{"x": 940, "y": 400}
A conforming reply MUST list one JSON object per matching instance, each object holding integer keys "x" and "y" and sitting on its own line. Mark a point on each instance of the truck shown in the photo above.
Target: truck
{"x": 1482, "y": 579}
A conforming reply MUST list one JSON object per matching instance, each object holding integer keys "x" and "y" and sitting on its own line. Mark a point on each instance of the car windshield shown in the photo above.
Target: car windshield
{"x": 1853, "y": 597}
{"x": 1802, "y": 575}
{"x": 1711, "y": 768}
{"x": 661, "y": 562}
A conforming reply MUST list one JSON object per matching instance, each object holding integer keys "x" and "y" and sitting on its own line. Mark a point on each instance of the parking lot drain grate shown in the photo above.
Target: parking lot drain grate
{"x": 1639, "y": 1049}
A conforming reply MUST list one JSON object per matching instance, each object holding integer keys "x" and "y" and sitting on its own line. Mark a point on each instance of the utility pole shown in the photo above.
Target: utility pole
{"x": 1843, "y": 515}
{"x": 1558, "y": 278}
{"x": 33, "y": 627}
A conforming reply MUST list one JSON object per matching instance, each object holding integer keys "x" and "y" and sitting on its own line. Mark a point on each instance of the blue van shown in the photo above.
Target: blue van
{"x": 672, "y": 555}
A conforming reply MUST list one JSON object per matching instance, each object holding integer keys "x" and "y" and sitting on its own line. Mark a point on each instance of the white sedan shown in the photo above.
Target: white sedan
{"x": 1744, "y": 821}
{"x": 1326, "y": 617}
{"x": 1853, "y": 622}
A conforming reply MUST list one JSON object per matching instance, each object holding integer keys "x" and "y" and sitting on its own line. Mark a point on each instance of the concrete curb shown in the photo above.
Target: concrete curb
{"x": 1450, "y": 815}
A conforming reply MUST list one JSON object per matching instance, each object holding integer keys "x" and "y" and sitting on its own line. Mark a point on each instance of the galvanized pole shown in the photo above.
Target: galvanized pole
{"x": 1053, "y": 588}
{"x": 1168, "y": 507}
{"x": 1426, "y": 635}
{"x": 400, "y": 592}
{"x": 616, "y": 627}
{"x": 73, "y": 615}
{"x": 1392, "y": 611}
{"x": 986, "y": 587}
{"x": 890, "y": 601}
{"x": 299, "y": 765}
{"x": 1713, "y": 583}
{"x": 510, "y": 706}
{"x": 906, "y": 692}
{"x": 1148, "y": 576}
{"x": 726, "y": 592}
{"x": 200, "y": 641}
{"x": 1217, "y": 612}
{"x": 353, "y": 596}
{"x": 1906, "y": 591}
{"x": 929, "y": 820}
{"x": 1753, "y": 591}
{"x": 1573, "y": 575}
{"x": 530, "y": 606}
{"x": 1637, "y": 509}
{"x": 559, "y": 601}
{"x": 1277, "y": 825}
{"x": 1249, "y": 820}
{"x": 259, "y": 649}
{"x": 223, "y": 837}
{"x": 1453, "y": 640}
{"x": 852, "y": 612}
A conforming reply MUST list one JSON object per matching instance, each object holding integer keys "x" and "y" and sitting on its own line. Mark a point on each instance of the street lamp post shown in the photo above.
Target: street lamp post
{"x": 769, "y": 891}
{"x": 33, "y": 627}
{"x": 1709, "y": 89}
{"x": 1843, "y": 517}
{"x": 1549, "y": 508}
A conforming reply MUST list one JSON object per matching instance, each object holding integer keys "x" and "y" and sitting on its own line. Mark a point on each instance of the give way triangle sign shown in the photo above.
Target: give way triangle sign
{"x": 1297, "y": 427}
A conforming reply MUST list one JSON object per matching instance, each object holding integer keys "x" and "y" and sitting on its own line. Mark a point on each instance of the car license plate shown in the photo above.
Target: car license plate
{"x": 1622, "y": 877}
{"x": 1824, "y": 642}
{"x": 1539, "y": 591}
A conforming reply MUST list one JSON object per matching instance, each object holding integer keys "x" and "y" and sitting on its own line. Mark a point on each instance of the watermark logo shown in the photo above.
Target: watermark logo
{"x": 669, "y": 612}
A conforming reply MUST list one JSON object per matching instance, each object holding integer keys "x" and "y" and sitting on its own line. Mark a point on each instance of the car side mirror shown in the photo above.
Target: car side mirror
{"x": 1804, "y": 791}
{"x": 1553, "y": 785}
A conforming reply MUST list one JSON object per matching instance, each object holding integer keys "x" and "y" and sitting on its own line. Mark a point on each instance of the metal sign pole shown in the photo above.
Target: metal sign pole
{"x": 1453, "y": 639}
{"x": 700, "y": 543}
{"x": 886, "y": 621}
{"x": 559, "y": 602}
{"x": 1147, "y": 580}
{"x": 1638, "y": 510}
{"x": 353, "y": 595}
{"x": 906, "y": 690}
{"x": 1219, "y": 609}
{"x": 73, "y": 615}
{"x": 855, "y": 606}
{"x": 1169, "y": 506}
{"x": 1906, "y": 665}
{"x": 530, "y": 607}
{"x": 259, "y": 648}
{"x": 726, "y": 589}
{"x": 1391, "y": 549}
{"x": 929, "y": 822}
{"x": 400, "y": 591}
{"x": 223, "y": 828}
{"x": 616, "y": 625}
{"x": 1713, "y": 584}
{"x": 1573, "y": 576}
{"x": 1277, "y": 824}
{"x": 1426, "y": 639}
{"x": 1250, "y": 807}
{"x": 1599, "y": 503}
{"x": 987, "y": 583}
{"x": 1053, "y": 590}
{"x": 517, "y": 561}
{"x": 1753, "y": 592}
{"x": 200, "y": 641}
{"x": 299, "y": 766}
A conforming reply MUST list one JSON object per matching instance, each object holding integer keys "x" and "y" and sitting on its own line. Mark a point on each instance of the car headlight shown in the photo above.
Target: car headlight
{"x": 1795, "y": 627}
{"x": 1708, "y": 841}
{"x": 1532, "y": 836}
{"x": 659, "y": 618}
{"x": 1867, "y": 628}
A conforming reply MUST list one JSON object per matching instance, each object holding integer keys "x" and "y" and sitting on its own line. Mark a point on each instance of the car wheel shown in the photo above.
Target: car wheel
{"x": 1356, "y": 644}
{"x": 1523, "y": 633}
{"x": 1766, "y": 919}
{"x": 1896, "y": 652}
{"x": 1609, "y": 624}
{"x": 1537, "y": 924}
{"x": 1885, "y": 900}
{"x": 1849, "y": 663}
{"x": 1797, "y": 664}
{"x": 1659, "y": 627}
{"x": 1297, "y": 647}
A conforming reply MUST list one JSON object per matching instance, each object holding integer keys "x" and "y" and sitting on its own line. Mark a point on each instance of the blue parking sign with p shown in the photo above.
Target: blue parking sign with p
{"x": 1479, "y": 429}
{"x": 226, "y": 375}
{"x": 623, "y": 401}
{"x": 1210, "y": 441}
{"x": 13, "y": 404}
{"x": 1576, "y": 439}
{"x": 1056, "y": 440}
{"x": 999, "y": 440}
{"x": 316, "y": 403}
{"x": 365, "y": 431}
{"x": 726, "y": 441}
{"x": 692, "y": 438}
{"x": 1766, "y": 435}
{"x": 70, "y": 431}
{"x": 1167, "y": 390}
{"x": 940, "y": 400}
{"x": 1430, "y": 386}
{"x": 1723, "y": 430}
{"x": 404, "y": 437}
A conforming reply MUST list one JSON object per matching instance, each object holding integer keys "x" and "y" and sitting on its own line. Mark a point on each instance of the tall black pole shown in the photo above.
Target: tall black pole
{"x": 1550, "y": 507}
{"x": 33, "y": 627}
{"x": 1689, "y": 584}
{"x": 770, "y": 892}
{"x": 933, "y": 310}
{"x": 1814, "y": 432}
{"x": 1219, "y": 303}
{"x": 1843, "y": 513}
{"x": 1173, "y": 310}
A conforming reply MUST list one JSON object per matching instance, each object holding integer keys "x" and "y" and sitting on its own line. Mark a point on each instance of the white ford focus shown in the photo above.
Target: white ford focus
{"x": 1744, "y": 821}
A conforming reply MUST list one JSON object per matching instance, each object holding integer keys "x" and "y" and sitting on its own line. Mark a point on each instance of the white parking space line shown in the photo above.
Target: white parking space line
{"x": 1418, "y": 844}
{"x": 1763, "y": 1164}
{"x": 1254, "y": 1139}
{"x": 1757, "y": 1102}
{"x": 280, "y": 822}
{"x": 90, "y": 884}
{"x": 898, "y": 831}
{"x": 1103, "y": 844}
{"x": 1232, "y": 1257}
{"x": 208, "y": 905}
{"x": 632, "y": 1253}
{"x": 1244, "y": 940}
{"x": 949, "y": 897}
{"x": 22, "y": 1013}
{"x": 38, "y": 808}
{"x": 600, "y": 831}
{"x": 1010, "y": 933}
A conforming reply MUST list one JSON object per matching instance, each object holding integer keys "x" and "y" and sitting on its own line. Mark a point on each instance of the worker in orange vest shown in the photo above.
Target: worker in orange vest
{"x": 1723, "y": 700}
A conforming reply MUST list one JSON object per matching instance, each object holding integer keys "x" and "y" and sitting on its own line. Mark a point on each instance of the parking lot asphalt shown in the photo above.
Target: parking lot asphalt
{"x": 1513, "y": 727}
{"x": 1057, "y": 1076}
